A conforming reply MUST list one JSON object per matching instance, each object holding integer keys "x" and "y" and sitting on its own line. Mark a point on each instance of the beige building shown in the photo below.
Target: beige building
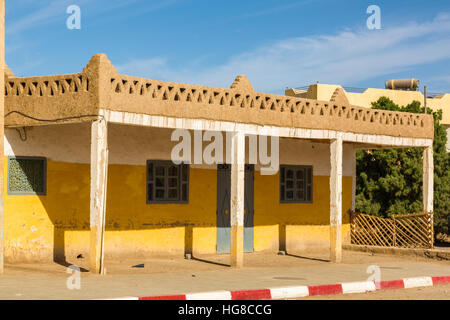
{"x": 89, "y": 168}
{"x": 327, "y": 92}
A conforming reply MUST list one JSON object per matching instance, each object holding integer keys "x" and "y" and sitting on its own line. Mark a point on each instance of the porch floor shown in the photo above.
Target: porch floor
{"x": 175, "y": 275}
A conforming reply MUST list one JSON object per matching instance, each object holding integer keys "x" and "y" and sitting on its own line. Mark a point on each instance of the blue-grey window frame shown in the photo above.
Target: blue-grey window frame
{"x": 167, "y": 163}
{"x": 17, "y": 193}
{"x": 296, "y": 168}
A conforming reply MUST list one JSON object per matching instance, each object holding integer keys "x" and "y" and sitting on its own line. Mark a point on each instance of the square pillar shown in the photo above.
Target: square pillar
{"x": 428, "y": 186}
{"x": 354, "y": 179}
{"x": 99, "y": 173}
{"x": 428, "y": 179}
{"x": 336, "y": 200}
{"x": 237, "y": 199}
{"x": 2, "y": 112}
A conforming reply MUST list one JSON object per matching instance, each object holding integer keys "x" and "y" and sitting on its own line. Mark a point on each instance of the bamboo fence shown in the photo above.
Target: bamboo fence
{"x": 405, "y": 230}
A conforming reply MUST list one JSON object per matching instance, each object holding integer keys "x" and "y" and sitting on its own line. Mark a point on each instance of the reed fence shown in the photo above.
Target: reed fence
{"x": 405, "y": 230}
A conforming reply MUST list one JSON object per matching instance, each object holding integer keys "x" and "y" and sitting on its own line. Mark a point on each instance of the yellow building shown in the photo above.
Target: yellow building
{"x": 325, "y": 92}
{"x": 90, "y": 167}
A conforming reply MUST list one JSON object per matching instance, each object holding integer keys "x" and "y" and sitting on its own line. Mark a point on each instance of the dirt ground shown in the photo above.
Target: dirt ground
{"x": 441, "y": 292}
{"x": 176, "y": 275}
{"x": 214, "y": 262}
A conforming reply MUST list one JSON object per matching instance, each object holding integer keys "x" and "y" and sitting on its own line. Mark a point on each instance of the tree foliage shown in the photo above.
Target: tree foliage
{"x": 389, "y": 181}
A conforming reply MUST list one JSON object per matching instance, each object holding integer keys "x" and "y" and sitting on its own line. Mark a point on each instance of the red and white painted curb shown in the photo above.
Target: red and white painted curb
{"x": 304, "y": 291}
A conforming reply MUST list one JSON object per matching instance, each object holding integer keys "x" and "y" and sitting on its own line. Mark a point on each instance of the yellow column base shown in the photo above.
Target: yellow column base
{"x": 94, "y": 252}
{"x": 336, "y": 244}
{"x": 237, "y": 246}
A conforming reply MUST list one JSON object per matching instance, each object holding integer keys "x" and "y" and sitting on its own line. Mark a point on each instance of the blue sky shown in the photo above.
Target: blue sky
{"x": 276, "y": 43}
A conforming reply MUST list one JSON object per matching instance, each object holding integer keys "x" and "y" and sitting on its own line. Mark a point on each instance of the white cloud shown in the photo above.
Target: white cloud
{"x": 46, "y": 14}
{"x": 344, "y": 58}
{"x": 50, "y": 11}
{"x": 25, "y": 15}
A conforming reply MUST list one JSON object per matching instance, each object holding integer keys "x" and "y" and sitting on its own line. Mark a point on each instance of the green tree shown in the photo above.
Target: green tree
{"x": 389, "y": 181}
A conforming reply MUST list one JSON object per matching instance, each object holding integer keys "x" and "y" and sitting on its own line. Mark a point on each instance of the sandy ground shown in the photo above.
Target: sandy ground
{"x": 175, "y": 264}
{"x": 441, "y": 292}
{"x": 176, "y": 275}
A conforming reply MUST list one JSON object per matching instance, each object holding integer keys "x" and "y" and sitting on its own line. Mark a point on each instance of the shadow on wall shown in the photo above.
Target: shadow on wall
{"x": 64, "y": 206}
{"x": 27, "y": 178}
{"x": 178, "y": 228}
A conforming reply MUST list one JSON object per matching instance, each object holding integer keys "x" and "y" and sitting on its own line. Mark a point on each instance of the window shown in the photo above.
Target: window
{"x": 296, "y": 184}
{"x": 27, "y": 175}
{"x": 167, "y": 182}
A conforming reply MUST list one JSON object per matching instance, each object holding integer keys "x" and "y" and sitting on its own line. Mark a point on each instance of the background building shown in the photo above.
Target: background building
{"x": 365, "y": 97}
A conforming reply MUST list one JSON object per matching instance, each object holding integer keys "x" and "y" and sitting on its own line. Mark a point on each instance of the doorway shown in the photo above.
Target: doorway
{"x": 223, "y": 207}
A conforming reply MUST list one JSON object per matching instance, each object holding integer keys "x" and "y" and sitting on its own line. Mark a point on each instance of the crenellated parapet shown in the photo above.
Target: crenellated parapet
{"x": 99, "y": 86}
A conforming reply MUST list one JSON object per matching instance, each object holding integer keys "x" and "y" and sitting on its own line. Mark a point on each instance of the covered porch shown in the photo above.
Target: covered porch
{"x": 103, "y": 98}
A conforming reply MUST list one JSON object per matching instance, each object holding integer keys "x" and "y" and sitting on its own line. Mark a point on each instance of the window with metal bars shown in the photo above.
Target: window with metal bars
{"x": 27, "y": 176}
{"x": 296, "y": 184}
{"x": 167, "y": 182}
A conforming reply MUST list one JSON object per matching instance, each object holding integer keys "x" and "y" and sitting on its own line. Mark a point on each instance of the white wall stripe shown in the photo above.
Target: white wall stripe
{"x": 418, "y": 282}
{"x": 214, "y": 295}
{"x": 289, "y": 292}
{"x": 358, "y": 287}
{"x": 246, "y": 128}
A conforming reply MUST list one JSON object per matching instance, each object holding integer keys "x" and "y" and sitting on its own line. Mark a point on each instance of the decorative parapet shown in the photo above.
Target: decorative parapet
{"x": 53, "y": 86}
{"x": 100, "y": 86}
{"x": 58, "y": 99}
{"x": 8, "y": 72}
{"x": 144, "y": 96}
{"x": 47, "y": 98}
{"x": 242, "y": 83}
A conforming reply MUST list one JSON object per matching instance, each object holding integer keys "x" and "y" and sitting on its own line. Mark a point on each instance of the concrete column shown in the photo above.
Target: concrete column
{"x": 99, "y": 172}
{"x": 428, "y": 179}
{"x": 336, "y": 200}
{"x": 237, "y": 199}
{"x": 354, "y": 179}
{"x": 2, "y": 129}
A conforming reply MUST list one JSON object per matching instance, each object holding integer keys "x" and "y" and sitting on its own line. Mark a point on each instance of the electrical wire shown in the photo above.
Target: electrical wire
{"x": 54, "y": 120}
{"x": 24, "y": 137}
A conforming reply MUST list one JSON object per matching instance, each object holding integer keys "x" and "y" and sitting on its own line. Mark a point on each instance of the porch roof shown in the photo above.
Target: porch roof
{"x": 80, "y": 97}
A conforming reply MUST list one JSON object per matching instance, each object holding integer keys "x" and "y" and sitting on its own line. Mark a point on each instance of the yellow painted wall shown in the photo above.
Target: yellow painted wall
{"x": 161, "y": 226}
{"x": 307, "y": 225}
{"x": 57, "y": 224}
{"x": 36, "y": 226}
